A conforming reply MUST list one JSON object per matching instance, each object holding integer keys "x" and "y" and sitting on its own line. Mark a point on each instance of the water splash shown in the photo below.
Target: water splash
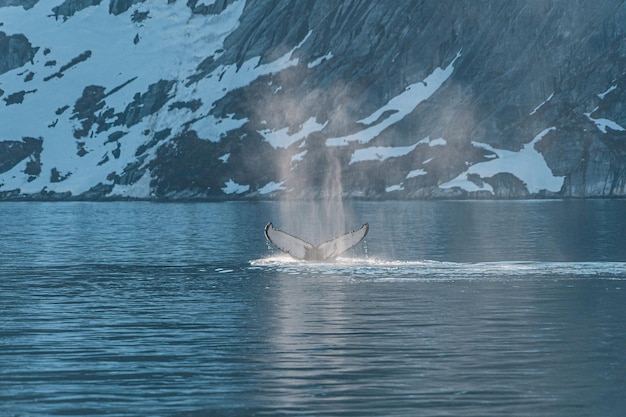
{"x": 428, "y": 270}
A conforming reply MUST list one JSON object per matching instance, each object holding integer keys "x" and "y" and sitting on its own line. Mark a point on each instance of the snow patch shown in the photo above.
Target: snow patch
{"x": 224, "y": 158}
{"x": 299, "y": 156}
{"x": 213, "y": 129}
{"x": 528, "y": 165}
{"x": 231, "y": 187}
{"x": 397, "y": 187}
{"x": 282, "y": 139}
{"x": 398, "y": 107}
{"x": 541, "y": 105}
{"x": 319, "y": 60}
{"x": 604, "y": 124}
{"x": 205, "y": 3}
{"x": 380, "y": 153}
{"x": 271, "y": 186}
{"x": 434, "y": 142}
{"x": 416, "y": 173}
{"x": 610, "y": 89}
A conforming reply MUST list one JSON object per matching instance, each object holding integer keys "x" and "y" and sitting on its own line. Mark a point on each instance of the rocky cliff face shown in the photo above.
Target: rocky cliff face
{"x": 228, "y": 99}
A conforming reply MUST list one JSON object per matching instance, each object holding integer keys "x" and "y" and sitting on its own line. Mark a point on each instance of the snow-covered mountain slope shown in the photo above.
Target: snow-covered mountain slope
{"x": 234, "y": 99}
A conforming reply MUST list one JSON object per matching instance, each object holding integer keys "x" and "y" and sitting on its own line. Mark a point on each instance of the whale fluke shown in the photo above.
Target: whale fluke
{"x": 300, "y": 249}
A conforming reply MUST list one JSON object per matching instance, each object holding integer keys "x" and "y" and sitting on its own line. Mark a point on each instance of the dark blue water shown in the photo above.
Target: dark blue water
{"x": 449, "y": 309}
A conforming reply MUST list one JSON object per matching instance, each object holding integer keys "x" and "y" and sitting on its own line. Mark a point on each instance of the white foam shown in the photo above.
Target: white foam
{"x": 359, "y": 268}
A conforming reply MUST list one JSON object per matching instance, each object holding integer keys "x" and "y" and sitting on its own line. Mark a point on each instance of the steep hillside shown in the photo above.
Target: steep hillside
{"x": 302, "y": 99}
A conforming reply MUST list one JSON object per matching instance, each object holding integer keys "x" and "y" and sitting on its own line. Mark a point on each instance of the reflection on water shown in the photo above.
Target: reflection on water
{"x": 182, "y": 309}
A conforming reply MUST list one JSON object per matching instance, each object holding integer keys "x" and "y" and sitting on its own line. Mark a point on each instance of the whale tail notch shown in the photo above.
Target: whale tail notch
{"x": 303, "y": 250}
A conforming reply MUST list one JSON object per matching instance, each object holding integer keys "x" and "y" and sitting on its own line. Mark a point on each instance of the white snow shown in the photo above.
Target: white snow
{"x": 231, "y": 187}
{"x": 283, "y": 139}
{"x": 205, "y": 3}
{"x": 528, "y": 165}
{"x": 299, "y": 156}
{"x": 270, "y": 187}
{"x": 167, "y": 50}
{"x": 416, "y": 173}
{"x": 431, "y": 143}
{"x": 213, "y": 129}
{"x": 224, "y": 158}
{"x": 398, "y": 107}
{"x": 604, "y": 124}
{"x": 397, "y": 187}
{"x": 610, "y": 89}
{"x": 380, "y": 153}
{"x": 540, "y": 105}
{"x": 319, "y": 60}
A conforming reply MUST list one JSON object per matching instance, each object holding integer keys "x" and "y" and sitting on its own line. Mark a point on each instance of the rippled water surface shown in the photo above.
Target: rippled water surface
{"x": 448, "y": 309}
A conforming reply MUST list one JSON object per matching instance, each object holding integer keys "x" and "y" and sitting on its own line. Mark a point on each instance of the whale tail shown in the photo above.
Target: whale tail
{"x": 300, "y": 249}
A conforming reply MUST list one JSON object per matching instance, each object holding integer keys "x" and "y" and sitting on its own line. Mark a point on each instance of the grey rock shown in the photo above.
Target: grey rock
{"x": 117, "y": 7}
{"x": 13, "y": 152}
{"x": 69, "y": 7}
{"x": 15, "y": 51}
{"x": 26, "y": 4}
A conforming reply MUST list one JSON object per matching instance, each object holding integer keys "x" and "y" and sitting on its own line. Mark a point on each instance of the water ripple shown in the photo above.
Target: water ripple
{"x": 149, "y": 309}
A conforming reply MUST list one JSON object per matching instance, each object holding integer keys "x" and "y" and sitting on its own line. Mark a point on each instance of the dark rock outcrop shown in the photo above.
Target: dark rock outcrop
{"x": 15, "y": 51}
{"x": 26, "y": 4}
{"x": 14, "y": 152}
{"x": 69, "y": 7}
